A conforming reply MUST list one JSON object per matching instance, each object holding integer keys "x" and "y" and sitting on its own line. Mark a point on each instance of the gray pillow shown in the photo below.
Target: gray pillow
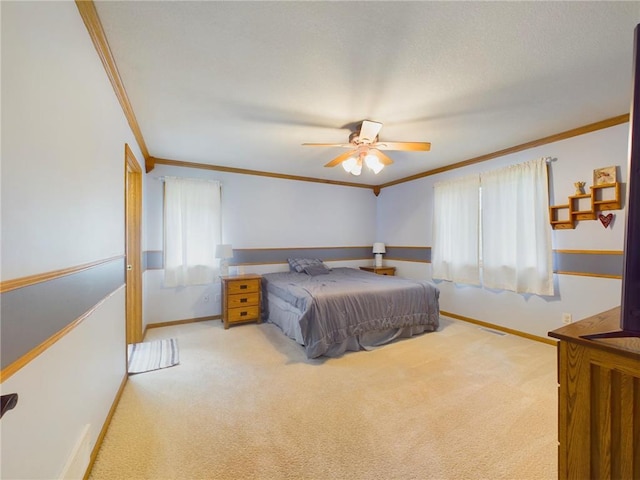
{"x": 298, "y": 264}
{"x": 314, "y": 270}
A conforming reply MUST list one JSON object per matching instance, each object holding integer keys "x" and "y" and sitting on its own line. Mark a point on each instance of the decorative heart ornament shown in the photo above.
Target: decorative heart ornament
{"x": 606, "y": 219}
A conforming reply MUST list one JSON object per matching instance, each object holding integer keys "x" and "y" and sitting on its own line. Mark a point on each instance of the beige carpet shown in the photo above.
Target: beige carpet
{"x": 245, "y": 403}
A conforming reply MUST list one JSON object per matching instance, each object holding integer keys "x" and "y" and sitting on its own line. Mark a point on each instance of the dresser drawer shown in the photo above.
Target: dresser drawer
{"x": 244, "y": 313}
{"x": 244, "y": 286}
{"x": 241, "y": 300}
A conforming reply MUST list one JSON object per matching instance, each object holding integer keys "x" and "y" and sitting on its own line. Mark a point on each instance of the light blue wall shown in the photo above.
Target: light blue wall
{"x": 404, "y": 217}
{"x": 261, "y": 212}
{"x": 257, "y": 213}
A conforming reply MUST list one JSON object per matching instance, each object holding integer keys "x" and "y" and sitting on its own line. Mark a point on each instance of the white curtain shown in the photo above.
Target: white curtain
{"x": 516, "y": 235}
{"x": 191, "y": 231}
{"x": 455, "y": 230}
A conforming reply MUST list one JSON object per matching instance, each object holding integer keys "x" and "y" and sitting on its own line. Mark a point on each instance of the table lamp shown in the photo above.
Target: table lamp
{"x": 378, "y": 250}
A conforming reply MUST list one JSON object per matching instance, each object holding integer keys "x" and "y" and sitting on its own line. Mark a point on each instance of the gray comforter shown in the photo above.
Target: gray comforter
{"x": 348, "y": 302}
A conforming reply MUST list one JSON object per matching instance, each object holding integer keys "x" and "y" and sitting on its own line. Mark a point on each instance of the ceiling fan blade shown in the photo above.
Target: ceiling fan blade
{"x": 340, "y": 158}
{"x": 384, "y": 159}
{"x": 369, "y": 131}
{"x": 343, "y": 145}
{"x": 407, "y": 146}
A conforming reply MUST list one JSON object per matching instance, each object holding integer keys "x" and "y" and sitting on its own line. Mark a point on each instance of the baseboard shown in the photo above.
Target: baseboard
{"x": 548, "y": 341}
{"x": 79, "y": 459}
{"x": 180, "y": 322}
{"x": 105, "y": 427}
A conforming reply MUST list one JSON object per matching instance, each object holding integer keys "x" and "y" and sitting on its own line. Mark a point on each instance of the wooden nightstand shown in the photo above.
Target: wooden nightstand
{"x": 380, "y": 270}
{"x": 240, "y": 299}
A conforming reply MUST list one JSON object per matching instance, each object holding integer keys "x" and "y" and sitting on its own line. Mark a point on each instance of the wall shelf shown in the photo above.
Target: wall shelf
{"x": 599, "y": 194}
{"x": 577, "y": 207}
{"x": 585, "y": 206}
{"x": 561, "y": 219}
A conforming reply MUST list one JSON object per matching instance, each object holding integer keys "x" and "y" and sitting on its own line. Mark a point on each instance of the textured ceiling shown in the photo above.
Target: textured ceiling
{"x": 244, "y": 84}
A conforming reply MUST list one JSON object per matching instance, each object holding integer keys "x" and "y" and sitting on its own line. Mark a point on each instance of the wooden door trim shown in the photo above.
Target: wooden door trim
{"x": 133, "y": 273}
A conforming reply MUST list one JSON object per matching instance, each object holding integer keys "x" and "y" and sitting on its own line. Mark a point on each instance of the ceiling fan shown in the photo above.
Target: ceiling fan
{"x": 366, "y": 149}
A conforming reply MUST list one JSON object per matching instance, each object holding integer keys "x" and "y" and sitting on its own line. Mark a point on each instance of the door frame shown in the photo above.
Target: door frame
{"x": 133, "y": 251}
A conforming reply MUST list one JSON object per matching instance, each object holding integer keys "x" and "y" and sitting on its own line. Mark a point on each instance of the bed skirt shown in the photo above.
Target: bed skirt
{"x": 286, "y": 317}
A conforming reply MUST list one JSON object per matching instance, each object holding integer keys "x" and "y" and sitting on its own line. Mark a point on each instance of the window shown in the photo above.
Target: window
{"x": 512, "y": 236}
{"x": 191, "y": 231}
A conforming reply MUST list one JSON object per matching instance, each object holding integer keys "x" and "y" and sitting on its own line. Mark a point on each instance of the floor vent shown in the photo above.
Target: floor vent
{"x": 495, "y": 332}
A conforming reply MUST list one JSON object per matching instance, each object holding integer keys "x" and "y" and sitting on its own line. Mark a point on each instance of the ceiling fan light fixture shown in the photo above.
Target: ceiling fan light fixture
{"x": 349, "y": 164}
{"x": 366, "y": 149}
{"x": 373, "y": 163}
{"x": 356, "y": 169}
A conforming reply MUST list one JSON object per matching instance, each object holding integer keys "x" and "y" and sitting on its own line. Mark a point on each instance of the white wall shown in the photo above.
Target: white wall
{"x": 63, "y": 136}
{"x": 70, "y": 385}
{"x": 257, "y": 212}
{"x": 577, "y": 157}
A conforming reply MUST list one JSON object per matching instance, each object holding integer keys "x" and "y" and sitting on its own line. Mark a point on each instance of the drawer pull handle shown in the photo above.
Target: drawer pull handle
{"x": 243, "y": 287}
{"x": 243, "y": 314}
{"x": 243, "y": 300}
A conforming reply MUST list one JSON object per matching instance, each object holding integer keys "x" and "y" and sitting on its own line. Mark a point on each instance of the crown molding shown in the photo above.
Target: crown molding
{"x": 592, "y": 127}
{"x": 91, "y": 20}
{"x": 244, "y": 171}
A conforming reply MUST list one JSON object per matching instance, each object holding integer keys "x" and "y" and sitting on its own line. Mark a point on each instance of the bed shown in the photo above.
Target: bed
{"x": 330, "y": 311}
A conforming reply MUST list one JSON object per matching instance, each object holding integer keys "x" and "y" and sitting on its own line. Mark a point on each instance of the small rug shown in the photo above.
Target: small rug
{"x": 147, "y": 356}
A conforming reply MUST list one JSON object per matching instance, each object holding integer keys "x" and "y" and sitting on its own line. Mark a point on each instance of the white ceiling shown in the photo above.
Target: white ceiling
{"x": 244, "y": 84}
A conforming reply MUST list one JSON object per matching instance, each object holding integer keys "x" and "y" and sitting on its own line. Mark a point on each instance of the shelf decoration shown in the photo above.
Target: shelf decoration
{"x": 604, "y": 175}
{"x": 606, "y": 219}
{"x": 579, "y": 187}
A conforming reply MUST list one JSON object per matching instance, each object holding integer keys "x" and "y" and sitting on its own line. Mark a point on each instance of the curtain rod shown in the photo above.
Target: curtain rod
{"x": 163, "y": 178}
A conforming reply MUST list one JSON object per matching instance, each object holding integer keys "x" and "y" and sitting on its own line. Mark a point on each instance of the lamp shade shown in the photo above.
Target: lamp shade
{"x": 374, "y": 163}
{"x": 378, "y": 247}
{"x": 349, "y": 164}
{"x": 224, "y": 251}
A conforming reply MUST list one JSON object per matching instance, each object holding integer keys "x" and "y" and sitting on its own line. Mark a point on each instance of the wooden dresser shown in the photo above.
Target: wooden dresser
{"x": 380, "y": 270}
{"x": 240, "y": 299}
{"x": 599, "y": 401}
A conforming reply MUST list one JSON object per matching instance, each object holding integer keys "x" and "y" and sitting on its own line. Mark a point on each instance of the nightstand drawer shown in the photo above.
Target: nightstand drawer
{"x": 241, "y": 300}
{"x": 391, "y": 271}
{"x": 243, "y": 286}
{"x": 244, "y": 313}
{"x": 386, "y": 271}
